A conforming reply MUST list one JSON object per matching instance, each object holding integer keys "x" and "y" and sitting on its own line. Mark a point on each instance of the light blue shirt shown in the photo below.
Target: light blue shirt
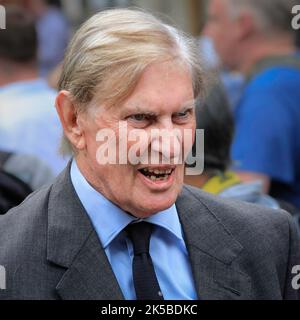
{"x": 29, "y": 122}
{"x": 167, "y": 247}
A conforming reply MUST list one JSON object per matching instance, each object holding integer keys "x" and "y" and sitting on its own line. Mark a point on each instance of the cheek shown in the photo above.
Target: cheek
{"x": 137, "y": 146}
{"x": 189, "y": 136}
{"x": 119, "y": 179}
{"x": 91, "y": 147}
{"x": 89, "y": 130}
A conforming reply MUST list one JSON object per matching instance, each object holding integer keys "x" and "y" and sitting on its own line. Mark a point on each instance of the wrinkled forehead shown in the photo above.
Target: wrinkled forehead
{"x": 160, "y": 85}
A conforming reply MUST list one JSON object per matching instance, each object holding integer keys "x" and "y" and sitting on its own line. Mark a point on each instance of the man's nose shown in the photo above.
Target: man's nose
{"x": 167, "y": 142}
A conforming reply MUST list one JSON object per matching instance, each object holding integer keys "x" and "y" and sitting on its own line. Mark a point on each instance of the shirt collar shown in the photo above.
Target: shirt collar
{"x": 108, "y": 219}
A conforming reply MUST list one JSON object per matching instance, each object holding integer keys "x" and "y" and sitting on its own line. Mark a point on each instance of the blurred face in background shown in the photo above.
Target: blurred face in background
{"x": 36, "y": 7}
{"x": 11, "y": 2}
{"x": 223, "y": 29}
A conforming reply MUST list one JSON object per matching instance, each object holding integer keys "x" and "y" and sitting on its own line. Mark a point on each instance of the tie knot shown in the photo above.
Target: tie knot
{"x": 139, "y": 234}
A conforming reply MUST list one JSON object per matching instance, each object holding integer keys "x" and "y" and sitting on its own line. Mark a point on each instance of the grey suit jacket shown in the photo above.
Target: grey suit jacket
{"x": 50, "y": 250}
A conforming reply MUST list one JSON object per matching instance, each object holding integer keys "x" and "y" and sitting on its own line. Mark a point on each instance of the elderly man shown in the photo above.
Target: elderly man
{"x": 256, "y": 38}
{"x": 126, "y": 229}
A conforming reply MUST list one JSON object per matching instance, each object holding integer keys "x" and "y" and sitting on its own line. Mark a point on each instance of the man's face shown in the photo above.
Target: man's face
{"x": 162, "y": 99}
{"x": 222, "y": 28}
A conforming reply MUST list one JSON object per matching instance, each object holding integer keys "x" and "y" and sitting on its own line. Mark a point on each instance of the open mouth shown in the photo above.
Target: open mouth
{"x": 157, "y": 174}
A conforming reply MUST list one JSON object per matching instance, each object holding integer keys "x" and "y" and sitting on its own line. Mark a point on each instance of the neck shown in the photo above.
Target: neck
{"x": 259, "y": 49}
{"x": 16, "y": 72}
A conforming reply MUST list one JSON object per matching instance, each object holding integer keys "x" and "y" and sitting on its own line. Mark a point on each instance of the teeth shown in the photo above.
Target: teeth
{"x": 154, "y": 178}
{"x": 156, "y": 171}
{"x": 153, "y": 174}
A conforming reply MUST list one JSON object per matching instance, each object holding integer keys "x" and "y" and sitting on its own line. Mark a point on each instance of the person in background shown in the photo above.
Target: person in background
{"x": 215, "y": 118}
{"x": 28, "y": 121}
{"x": 53, "y": 32}
{"x": 20, "y": 175}
{"x": 232, "y": 81}
{"x": 31, "y": 170}
{"x": 298, "y": 39}
{"x": 255, "y": 38}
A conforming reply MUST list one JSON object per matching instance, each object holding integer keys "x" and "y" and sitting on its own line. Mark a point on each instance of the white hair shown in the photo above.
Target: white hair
{"x": 111, "y": 50}
{"x": 108, "y": 54}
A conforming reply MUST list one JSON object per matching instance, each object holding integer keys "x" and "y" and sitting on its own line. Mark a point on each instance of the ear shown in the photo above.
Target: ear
{"x": 69, "y": 119}
{"x": 246, "y": 25}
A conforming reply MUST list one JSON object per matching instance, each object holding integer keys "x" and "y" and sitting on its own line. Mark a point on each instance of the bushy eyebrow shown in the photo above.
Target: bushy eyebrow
{"x": 138, "y": 109}
{"x": 191, "y": 104}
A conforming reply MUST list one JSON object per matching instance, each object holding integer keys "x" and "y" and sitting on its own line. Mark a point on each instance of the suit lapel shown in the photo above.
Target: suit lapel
{"x": 73, "y": 244}
{"x": 90, "y": 276}
{"x": 212, "y": 251}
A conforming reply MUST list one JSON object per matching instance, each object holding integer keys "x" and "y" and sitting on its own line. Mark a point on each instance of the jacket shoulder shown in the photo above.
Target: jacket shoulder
{"x": 23, "y": 229}
{"x": 254, "y": 226}
{"x": 238, "y": 212}
{"x": 23, "y": 249}
{"x": 268, "y": 237}
{"x": 25, "y": 214}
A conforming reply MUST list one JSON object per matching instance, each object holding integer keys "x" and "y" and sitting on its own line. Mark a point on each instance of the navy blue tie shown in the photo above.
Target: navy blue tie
{"x": 144, "y": 278}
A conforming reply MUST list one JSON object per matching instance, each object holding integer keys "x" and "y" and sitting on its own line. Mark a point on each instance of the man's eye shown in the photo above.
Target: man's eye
{"x": 139, "y": 117}
{"x": 183, "y": 114}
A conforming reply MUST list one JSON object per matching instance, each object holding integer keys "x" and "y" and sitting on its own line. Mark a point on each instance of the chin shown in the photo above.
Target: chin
{"x": 153, "y": 205}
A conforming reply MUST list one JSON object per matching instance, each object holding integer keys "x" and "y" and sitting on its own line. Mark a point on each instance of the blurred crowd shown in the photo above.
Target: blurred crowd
{"x": 31, "y": 48}
{"x": 256, "y": 51}
{"x": 251, "y": 115}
